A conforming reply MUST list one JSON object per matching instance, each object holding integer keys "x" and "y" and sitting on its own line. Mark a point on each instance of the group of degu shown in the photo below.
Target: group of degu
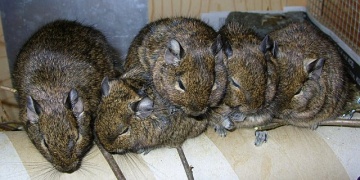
{"x": 66, "y": 69}
{"x": 180, "y": 76}
{"x": 299, "y": 80}
{"x": 168, "y": 90}
{"x": 173, "y": 75}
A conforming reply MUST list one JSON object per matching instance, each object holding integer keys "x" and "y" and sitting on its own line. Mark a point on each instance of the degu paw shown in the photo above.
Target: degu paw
{"x": 228, "y": 124}
{"x": 314, "y": 126}
{"x": 349, "y": 114}
{"x": 260, "y": 137}
{"x": 220, "y": 130}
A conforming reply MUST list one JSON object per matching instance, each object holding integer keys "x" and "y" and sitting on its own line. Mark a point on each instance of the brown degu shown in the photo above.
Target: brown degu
{"x": 180, "y": 59}
{"x": 251, "y": 79}
{"x": 313, "y": 84}
{"x": 58, "y": 73}
{"x": 129, "y": 122}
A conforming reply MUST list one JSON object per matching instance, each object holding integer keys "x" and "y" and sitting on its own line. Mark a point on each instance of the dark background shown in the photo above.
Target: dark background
{"x": 119, "y": 20}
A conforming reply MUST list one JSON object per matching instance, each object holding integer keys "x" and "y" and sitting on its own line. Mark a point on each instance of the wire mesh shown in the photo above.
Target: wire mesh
{"x": 342, "y": 17}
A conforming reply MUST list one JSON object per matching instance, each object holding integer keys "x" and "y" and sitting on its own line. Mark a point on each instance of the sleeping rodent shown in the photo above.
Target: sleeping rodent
{"x": 251, "y": 79}
{"x": 313, "y": 83}
{"x": 177, "y": 58}
{"x": 58, "y": 73}
{"x": 129, "y": 122}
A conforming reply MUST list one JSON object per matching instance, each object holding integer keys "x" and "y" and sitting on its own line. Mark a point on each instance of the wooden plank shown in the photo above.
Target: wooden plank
{"x": 9, "y": 110}
{"x": 193, "y": 8}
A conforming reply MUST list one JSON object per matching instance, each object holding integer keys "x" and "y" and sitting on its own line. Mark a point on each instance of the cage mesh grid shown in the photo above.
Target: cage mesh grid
{"x": 342, "y": 17}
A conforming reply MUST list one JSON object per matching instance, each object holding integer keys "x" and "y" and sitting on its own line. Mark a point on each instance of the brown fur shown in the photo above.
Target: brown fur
{"x": 119, "y": 129}
{"x": 305, "y": 95}
{"x": 156, "y": 60}
{"x": 251, "y": 78}
{"x": 61, "y": 56}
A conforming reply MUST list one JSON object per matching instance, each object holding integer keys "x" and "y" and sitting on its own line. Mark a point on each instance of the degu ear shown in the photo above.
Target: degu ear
{"x": 314, "y": 67}
{"x": 146, "y": 104}
{"x": 174, "y": 52}
{"x": 217, "y": 45}
{"x": 144, "y": 108}
{"x": 105, "y": 87}
{"x": 33, "y": 110}
{"x": 275, "y": 50}
{"x": 74, "y": 102}
{"x": 267, "y": 44}
{"x": 225, "y": 46}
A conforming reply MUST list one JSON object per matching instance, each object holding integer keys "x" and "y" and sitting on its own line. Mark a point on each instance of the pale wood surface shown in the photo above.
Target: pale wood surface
{"x": 290, "y": 153}
{"x": 8, "y": 107}
{"x": 193, "y": 8}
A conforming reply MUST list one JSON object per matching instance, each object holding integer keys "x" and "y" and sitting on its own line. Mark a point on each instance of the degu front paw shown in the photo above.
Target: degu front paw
{"x": 260, "y": 137}
{"x": 220, "y": 130}
{"x": 228, "y": 124}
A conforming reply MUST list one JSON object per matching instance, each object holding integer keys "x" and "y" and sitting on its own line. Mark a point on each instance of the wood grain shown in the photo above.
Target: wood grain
{"x": 8, "y": 106}
{"x": 193, "y": 8}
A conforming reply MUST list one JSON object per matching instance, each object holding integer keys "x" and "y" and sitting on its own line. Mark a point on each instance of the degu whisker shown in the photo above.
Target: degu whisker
{"x": 86, "y": 172}
{"x": 42, "y": 172}
{"x": 87, "y": 166}
{"x": 135, "y": 163}
{"x": 131, "y": 162}
{"x": 53, "y": 174}
{"x": 39, "y": 170}
{"x": 40, "y": 165}
{"x": 91, "y": 154}
{"x": 139, "y": 163}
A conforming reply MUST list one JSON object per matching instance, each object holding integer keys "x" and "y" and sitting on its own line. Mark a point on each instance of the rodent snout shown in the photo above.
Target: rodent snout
{"x": 65, "y": 168}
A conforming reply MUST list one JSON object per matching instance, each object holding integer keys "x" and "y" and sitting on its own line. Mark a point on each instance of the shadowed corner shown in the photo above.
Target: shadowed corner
{"x": 8, "y": 122}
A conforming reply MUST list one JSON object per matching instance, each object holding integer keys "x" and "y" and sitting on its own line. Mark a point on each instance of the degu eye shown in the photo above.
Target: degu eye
{"x": 235, "y": 83}
{"x": 179, "y": 85}
{"x": 298, "y": 91}
{"x": 72, "y": 141}
{"x": 134, "y": 105}
{"x": 44, "y": 144}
